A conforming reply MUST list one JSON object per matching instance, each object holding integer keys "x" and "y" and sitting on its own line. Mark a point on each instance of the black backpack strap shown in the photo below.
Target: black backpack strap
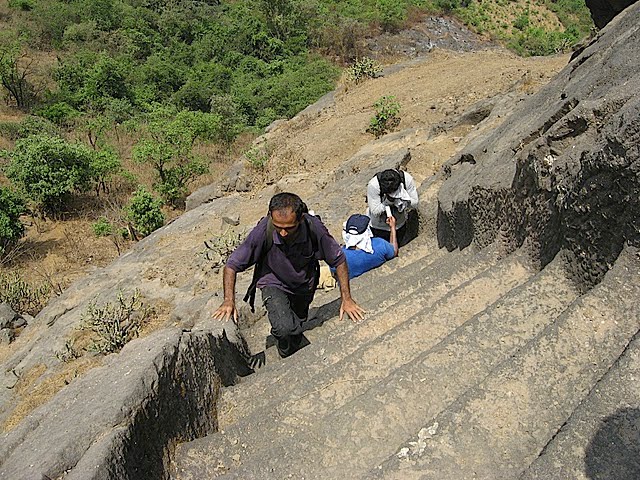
{"x": 313, "y": 235}
{"x": 250, "y": 296}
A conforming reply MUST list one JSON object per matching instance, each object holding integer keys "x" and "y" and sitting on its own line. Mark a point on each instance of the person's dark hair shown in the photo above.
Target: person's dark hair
{"x": 284, "y": 201}
{"x": 389, "y": 181}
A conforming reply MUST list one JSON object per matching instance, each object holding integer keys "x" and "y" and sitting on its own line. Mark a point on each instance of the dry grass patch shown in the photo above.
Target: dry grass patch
{"x": 33, "y": 391}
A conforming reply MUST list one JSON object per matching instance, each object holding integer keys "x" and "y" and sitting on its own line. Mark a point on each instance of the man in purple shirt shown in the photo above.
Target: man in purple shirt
{"x": 288, "y": 273}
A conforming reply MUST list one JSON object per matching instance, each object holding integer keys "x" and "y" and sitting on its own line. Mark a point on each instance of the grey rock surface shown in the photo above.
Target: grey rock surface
{"x": 601, "y": 439}
{"x": 7, "y": 316}
{"x": 558, "y": 168}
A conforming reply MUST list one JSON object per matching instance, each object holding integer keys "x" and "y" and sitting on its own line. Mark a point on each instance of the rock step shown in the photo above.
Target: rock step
{"x": 416, "y": 256}
{"x": 600, "y": 439}
{"x": 313, "y": 397}
{"x": 347, "y": 442}
{"x": 413, "y": 259}
{"x": 433, "y": 283}
{"x": 499, "y": 428}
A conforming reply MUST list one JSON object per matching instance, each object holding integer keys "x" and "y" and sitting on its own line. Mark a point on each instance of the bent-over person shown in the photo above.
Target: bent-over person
{"x": 285, "y": 247}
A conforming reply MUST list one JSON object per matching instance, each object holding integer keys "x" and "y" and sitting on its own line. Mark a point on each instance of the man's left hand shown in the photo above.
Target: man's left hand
{"x": 351, "y": 308}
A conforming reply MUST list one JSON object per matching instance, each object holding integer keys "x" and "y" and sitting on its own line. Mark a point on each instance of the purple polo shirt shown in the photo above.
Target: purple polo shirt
{"x": 287, "y": 267}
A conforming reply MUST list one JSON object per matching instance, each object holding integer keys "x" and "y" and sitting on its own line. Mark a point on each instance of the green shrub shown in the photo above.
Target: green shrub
{"x": 60, "y": 113}
{"x": 144, "y": 212}
{"x": 392, "y": 14}
{"x": 11, "y": 228}
{"x": 257, "y": 157}
{"x": 231, "y": 122}
{"x": 89, "y": 81}
{"x": 363, "y": 69}
{"x": 24, "y": 5}
{"x": 21, "y": 296}
{"x": 102, "y": 227}
{"x": 35, "y": 125}
{"x": 522, "y": 22}
{"x": 48, "y": 169}
{"x": 204, "y": 81}
{"x": 536, "y": 41}
{"x": 114, "y": 324}
{"x": 386, "y": 117}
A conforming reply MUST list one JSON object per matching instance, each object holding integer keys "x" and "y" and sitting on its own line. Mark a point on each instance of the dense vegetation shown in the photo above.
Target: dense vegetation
{"x": 108, "y": 84}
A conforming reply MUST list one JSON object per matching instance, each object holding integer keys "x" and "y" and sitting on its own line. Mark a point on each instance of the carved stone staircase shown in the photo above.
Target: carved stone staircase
{"x": 470, "y": 364}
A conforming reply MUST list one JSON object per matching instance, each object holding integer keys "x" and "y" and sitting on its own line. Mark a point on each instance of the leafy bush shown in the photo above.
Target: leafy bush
{"x": 102, "y": 227}
{"x": 114, "y": 325}
{"x": 144, "y": 212}
{"x": 536, "y": 41}
{"x": 257, "y": 157}
{"x": 392, "y": 14}
{"x": 48, "y": 169}
{"x": 386, "y": 117}
{"x": 363, "y": 69}
{"x": 281, "y": 89}
{"x": 522, "y": 21}
{"x": 11, "y": 228}
{"x": 60, "y": 113}
{"x": 231, "y": 122}
{"x": 35, "y": 125}
{"x": 204, "y": 81}
{"x": 89, "y": 81}
{"x": 21, "y": 296}
{"x": 24, "y": 5}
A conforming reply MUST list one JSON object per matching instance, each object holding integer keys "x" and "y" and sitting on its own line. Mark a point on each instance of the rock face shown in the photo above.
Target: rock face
{"x": 602, "y": 11}
{"x": 563, "y": 172}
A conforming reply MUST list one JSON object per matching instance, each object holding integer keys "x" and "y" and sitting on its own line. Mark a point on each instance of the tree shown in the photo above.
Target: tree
{"x": 168, "y": 148}
{"x": 13, "y": 76}
{"x": 11, "y": 228}
{"x": 48, "y": 169}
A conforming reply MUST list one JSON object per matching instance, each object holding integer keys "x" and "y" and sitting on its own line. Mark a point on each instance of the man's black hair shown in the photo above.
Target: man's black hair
{"x": 284, "y": 201}
{"x": 389, "y": 181}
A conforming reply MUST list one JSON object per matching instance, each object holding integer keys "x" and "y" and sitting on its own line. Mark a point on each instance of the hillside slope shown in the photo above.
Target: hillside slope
{"x": 470, "y": 353}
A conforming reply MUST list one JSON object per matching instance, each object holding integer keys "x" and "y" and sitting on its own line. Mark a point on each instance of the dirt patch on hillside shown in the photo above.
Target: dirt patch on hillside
{"x": 430, "y": 89}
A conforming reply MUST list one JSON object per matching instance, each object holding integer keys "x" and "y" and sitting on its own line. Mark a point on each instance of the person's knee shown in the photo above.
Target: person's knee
{"x": 281, "y": 329}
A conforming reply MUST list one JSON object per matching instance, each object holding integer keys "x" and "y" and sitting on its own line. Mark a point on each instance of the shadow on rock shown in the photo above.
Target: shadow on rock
{"x": 614, "y": 451}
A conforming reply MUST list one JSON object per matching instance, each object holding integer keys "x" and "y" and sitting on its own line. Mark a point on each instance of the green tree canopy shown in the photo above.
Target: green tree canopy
{"x": 48, "y": 170}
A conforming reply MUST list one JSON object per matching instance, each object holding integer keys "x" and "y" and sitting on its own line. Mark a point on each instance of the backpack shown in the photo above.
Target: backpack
{"x": 250, "y": 296}
{"x": 402, "y": 179}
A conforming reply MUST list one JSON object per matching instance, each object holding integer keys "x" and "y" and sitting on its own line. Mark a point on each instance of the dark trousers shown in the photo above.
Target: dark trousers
{"x": 286, "y": 313}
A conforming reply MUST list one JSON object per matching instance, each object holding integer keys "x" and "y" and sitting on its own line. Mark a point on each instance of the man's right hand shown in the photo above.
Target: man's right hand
{"x": 391, "y": 221}
{"x": 226, "y": 311}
